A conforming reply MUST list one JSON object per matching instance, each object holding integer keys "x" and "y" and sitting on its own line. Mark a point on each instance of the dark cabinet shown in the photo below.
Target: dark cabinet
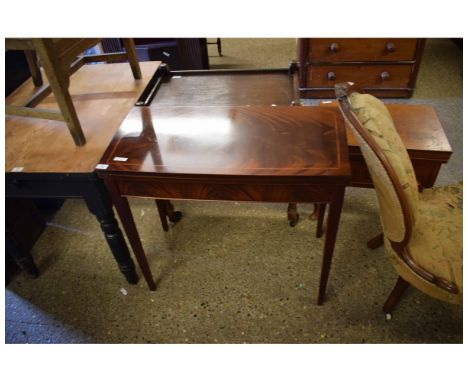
{"x": 178, "y": 53}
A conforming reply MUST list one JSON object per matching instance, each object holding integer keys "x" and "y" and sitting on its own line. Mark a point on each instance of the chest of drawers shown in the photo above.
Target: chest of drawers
{"x": 384, "y": 67}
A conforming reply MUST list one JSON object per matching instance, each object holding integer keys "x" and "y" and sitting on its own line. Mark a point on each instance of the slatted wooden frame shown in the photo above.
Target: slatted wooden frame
{"x": 58, "y": 58}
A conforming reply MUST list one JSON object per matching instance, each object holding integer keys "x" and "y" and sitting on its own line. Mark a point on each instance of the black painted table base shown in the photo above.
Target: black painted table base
{"x": 75, "y": 185}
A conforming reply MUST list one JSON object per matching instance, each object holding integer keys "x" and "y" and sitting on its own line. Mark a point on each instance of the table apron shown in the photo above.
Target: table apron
{"x": 231, "y": 192}
{"x": 426, "y": 171}
{"x": 50, "y": 186}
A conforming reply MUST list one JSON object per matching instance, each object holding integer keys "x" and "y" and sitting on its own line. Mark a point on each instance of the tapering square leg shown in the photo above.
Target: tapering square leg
{"x": 330, "y": 238}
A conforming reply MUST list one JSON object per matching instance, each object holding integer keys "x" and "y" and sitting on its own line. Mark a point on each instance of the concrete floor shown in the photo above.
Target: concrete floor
{"x": 236, "y": 272}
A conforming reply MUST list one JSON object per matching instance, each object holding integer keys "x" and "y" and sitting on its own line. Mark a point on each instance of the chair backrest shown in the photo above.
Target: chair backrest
{"x": 391, "y": 171}
{"x": 387, "y": 160}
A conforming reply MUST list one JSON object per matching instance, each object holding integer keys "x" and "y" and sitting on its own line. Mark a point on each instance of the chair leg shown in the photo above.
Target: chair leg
{"x": 375, "y": 242}
{"x": 59, "y": 82}
{"x": 218, "y": 42}
{"x": 400, "y": 287}
{"x": 132, "y": 57}
{"x": 31, "y": 59}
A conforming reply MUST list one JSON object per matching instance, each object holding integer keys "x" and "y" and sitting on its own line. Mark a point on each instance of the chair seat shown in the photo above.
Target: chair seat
{"x": 436, "y": 243}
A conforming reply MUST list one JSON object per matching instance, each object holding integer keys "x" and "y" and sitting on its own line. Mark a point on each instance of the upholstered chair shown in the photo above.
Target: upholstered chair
{"x": 422, "y": 231}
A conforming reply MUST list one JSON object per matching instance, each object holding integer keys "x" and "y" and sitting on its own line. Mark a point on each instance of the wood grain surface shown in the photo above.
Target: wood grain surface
{"x": 385, "y": 67}
{"x": 365, "y": 75}
{"x": 102, "y": 94}
{"x": 230, "y": 140}
{"x": 362, "y": 49}
{"x": 423, "y": 136}
{"x": 419, "y": 128}
{"x": 228, "y": 89}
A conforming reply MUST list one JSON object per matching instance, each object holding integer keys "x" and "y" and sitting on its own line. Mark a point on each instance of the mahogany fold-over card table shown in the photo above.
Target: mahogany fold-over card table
{"x": 231, "y": 153}
{"x": 422, "y": 134}
{"x": 221, "y": 87}
{"x": 42, "y": 160}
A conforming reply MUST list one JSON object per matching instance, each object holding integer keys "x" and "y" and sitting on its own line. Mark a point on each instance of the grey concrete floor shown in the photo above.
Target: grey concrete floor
{"x": 236, "y": 272}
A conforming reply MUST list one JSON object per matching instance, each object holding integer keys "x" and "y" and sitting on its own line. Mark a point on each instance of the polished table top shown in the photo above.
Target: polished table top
{"x": 227, "y": 88}
{"x": 252, "y": 141}
{"x": 418, "y": 126}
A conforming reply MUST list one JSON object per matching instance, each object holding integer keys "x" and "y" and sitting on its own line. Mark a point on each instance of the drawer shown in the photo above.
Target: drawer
{"x": 370, "y": 76}
{"x": 361, "y": 49}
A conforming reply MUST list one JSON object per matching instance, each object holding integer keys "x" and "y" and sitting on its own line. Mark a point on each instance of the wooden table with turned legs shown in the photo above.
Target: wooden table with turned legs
{"x": 42, "y": 161}
{"x": 233, "y": 153}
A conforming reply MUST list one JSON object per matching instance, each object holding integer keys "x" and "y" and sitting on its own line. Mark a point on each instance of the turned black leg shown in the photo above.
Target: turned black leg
{"x": 126, "y": 217}
{"x": 100, "y": 205}
{"x": 119, "y": 249}
{"x": 21, "y": 257}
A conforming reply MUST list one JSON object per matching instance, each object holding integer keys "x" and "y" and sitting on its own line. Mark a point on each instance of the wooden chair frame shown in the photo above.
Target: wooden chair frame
{"x": 55, "y": 58}
{"x": 342, "y": 91}
{"x": 218, "y": 43}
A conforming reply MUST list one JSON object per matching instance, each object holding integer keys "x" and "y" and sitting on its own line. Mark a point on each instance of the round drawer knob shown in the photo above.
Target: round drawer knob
{"x": 385, "y": 75}
{"x": 390, "y": 47}
{"x": 331, "y": 76}
{"x": 334, "y": 47}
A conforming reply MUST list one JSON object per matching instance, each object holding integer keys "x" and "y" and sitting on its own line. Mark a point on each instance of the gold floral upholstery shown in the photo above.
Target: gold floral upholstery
{"x": 436, "y": 241}
{"x": 377, "y": 120}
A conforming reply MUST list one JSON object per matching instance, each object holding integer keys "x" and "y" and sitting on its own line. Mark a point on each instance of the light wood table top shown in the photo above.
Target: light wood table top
{"x": 102, "y": 94}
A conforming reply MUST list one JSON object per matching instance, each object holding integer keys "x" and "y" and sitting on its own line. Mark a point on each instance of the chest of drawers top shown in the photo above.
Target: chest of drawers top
{"x": 385, "y": 67}
{"x": 361, "y": 49}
